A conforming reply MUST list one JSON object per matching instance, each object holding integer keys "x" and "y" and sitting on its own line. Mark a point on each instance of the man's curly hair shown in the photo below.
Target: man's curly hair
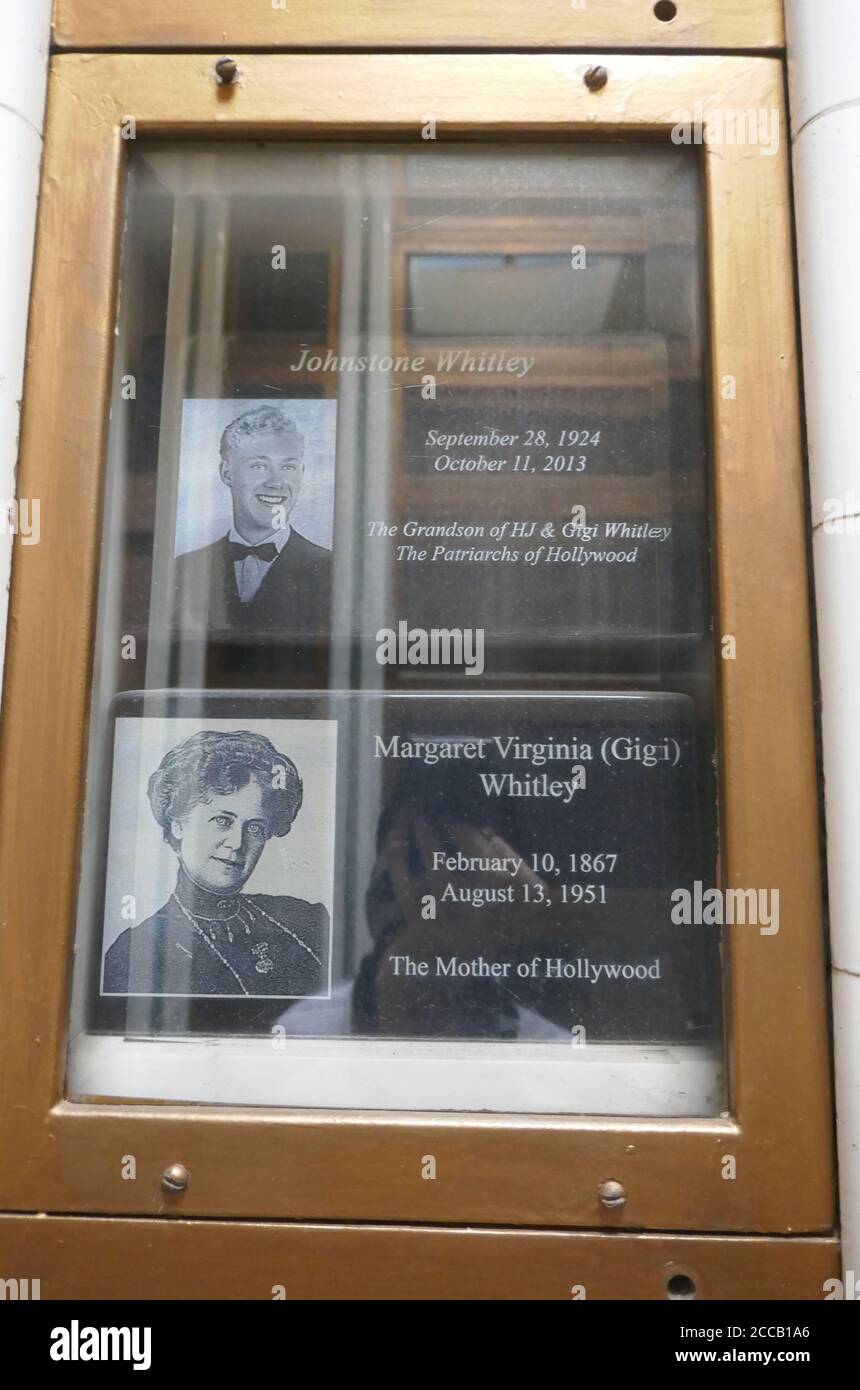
{"x": 263, "y": 419}
{"x": 210, "y": 763}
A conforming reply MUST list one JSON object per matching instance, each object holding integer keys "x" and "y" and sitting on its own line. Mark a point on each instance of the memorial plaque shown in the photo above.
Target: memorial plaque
{"x": 403, "y": 713}
{"x": 526, "y": 852}
{"x": 520, "y": 855}
{"x": 452, "y": 386}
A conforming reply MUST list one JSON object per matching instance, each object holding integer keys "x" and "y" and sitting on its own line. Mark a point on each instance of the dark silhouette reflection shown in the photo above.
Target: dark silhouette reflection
{"x": 488, "y": 919}
{"x": 471, "y": 988}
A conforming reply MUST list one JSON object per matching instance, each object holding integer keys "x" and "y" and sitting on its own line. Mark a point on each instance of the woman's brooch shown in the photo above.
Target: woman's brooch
{"x": 264, "y": 965}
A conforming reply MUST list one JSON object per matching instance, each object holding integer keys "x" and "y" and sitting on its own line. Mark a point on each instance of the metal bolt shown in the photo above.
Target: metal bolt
{"x": 595, "y": 78}
{"x": 612, "y": 1194}
{"x": 225, "y": 70}
{"x": 175, "y": 1178}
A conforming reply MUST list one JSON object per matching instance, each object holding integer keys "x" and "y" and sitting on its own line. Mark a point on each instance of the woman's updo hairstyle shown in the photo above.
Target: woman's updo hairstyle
{"x": 210, "y": 764}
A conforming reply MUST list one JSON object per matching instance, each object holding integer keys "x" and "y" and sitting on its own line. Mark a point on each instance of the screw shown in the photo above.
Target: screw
{"x": 175, "y": 1178}
{"x": 612, "y": 1194}
{"x": 225, "y": 71}
{"x": 595, "y": 78}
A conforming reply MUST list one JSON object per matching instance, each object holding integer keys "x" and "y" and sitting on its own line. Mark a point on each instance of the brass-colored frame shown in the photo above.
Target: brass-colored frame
{"x": 58, "y": 1156}
{"x": 92, "y": 1257}
{"x": 699, "y": 25}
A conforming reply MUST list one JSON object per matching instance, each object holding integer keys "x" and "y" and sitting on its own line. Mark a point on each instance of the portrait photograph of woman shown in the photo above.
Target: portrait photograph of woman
{"x": 204, "y": 896}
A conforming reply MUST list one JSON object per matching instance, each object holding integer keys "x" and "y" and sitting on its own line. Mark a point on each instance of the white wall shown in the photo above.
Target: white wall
{"x": 824, "y": 75}
{"x": 24, "y": 40}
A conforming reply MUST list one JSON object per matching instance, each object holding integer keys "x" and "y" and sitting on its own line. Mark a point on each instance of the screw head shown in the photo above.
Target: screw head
{"x": 175, "y": 1178}
{"x": 226, "y": 70}
{"x": 595, "y": 78}
{"x": 612, "y": 1194}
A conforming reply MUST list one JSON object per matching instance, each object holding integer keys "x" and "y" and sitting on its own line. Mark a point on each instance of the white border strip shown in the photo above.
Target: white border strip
{"x": 502, "y": 1077}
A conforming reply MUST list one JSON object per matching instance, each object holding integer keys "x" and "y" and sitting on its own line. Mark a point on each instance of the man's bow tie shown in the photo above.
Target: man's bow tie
{"x": 266, "y": 552}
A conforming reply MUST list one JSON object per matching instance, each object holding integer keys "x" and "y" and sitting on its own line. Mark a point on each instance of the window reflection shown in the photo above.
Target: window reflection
{"x": 381, "y": 387}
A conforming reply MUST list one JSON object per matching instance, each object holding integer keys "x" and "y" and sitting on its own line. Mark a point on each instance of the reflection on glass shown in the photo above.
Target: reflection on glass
{"x": 404, "y": 442}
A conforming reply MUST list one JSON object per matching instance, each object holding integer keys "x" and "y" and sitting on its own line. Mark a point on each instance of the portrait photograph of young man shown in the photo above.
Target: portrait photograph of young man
{"x": 254, "y": 519}
{"x": 203, "y": 897}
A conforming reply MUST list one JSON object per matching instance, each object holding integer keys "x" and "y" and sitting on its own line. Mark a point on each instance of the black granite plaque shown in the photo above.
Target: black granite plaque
{"x": 526, "y": 850}
{"x": 498, "y": 868}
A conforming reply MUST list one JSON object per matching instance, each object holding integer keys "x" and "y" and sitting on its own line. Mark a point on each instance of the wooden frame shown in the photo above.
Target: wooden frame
{"x": 401, "y": 24}
{"x": 492, "y": 1169}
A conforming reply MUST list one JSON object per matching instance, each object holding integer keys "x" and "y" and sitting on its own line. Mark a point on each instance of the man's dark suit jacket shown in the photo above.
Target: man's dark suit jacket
{"x": 291, "y": 604}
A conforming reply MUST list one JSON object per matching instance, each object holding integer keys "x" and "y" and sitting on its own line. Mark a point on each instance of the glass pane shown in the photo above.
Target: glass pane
{"x": 402, "y": 747}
